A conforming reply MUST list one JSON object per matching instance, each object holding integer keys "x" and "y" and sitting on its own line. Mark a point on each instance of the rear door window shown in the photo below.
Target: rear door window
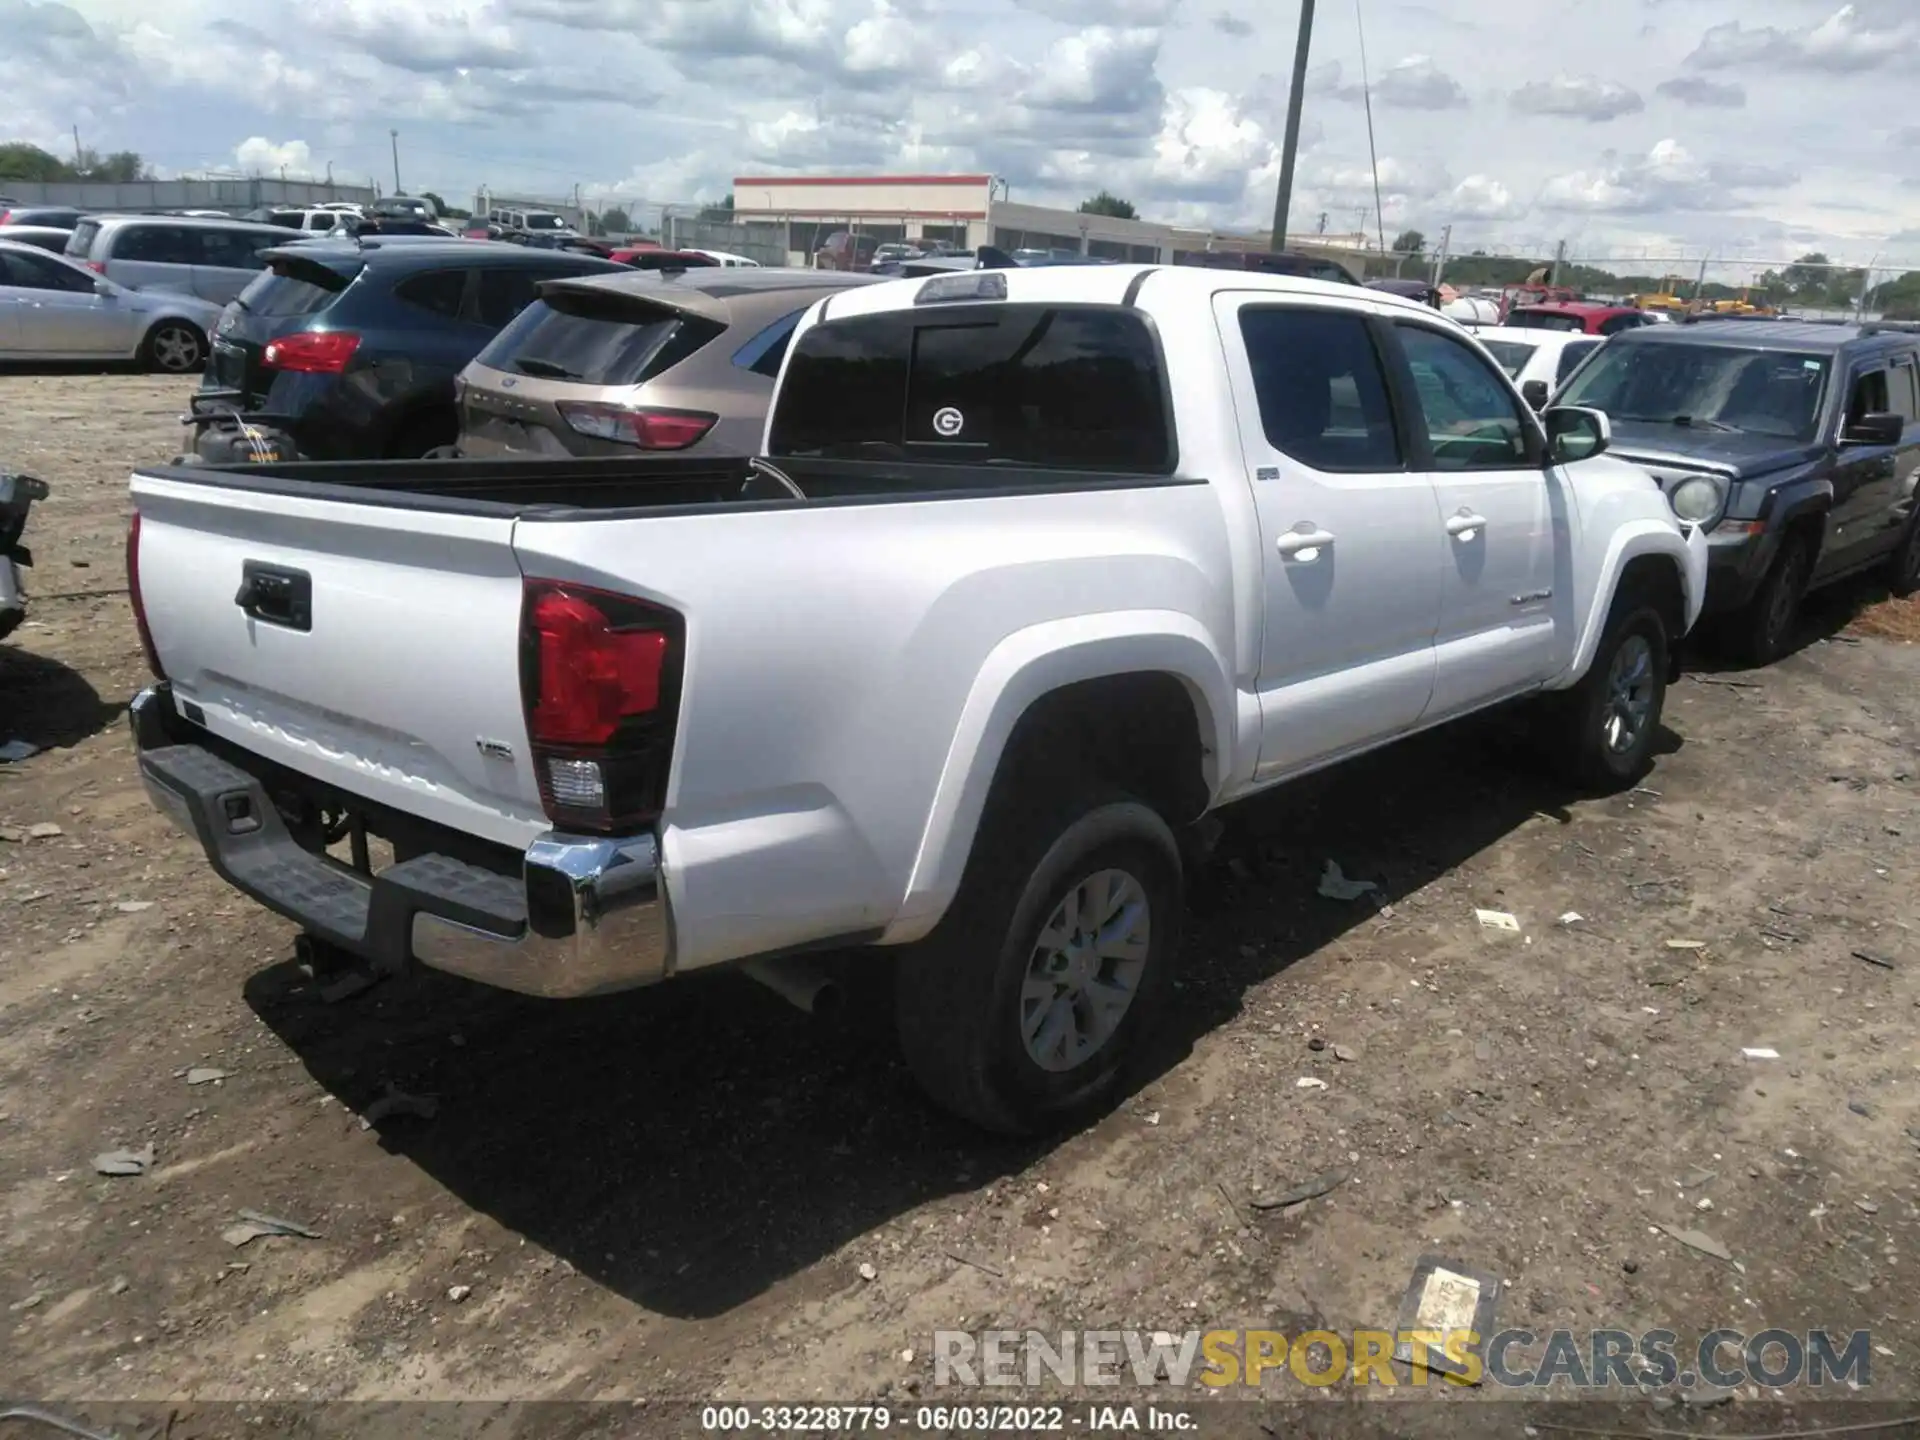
{"x": 1321, "y": 388}
{"x": 1055, "y": 387}
{"x": 1903, "y": 388}
{"x": 158, "y": 245}
{"x": 1571, "y": 357}
{"x": 764, "y": 352}
{"x": 80, "y": 243}
{"x": 32, "y": 272}
{"x": 441, "y": 292}
{"x": 233, "y": 249}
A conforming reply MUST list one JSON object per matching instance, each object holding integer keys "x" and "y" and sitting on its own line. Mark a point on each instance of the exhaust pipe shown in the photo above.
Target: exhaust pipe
{"x": 799, "y": 982}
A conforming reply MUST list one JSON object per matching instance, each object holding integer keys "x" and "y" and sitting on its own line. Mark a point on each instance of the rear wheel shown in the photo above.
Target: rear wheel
{"x": 1021, "y": 1011}
{"x": 174, "y": 347}
{"x": 1763, "y": 631}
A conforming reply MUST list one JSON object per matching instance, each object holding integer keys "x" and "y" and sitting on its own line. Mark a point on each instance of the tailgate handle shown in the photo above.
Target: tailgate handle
{"x": 275, "y": 596}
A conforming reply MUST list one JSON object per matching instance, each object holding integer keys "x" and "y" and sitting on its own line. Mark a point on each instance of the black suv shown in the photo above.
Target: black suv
{"x": 347, "y": 350}
{"x": 1795, "y": 444}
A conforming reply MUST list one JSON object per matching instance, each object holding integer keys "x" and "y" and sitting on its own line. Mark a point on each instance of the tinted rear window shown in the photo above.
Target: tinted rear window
{"x": 1545, "y": 320}
{"x": 1511, "y": 354}
{"x": 81, "y": 241}
{"x": 158, "y": 244}
{"x": 1055, "y": 387}
{"x": 568, "y": 338}
{"x": 292, "y": 288}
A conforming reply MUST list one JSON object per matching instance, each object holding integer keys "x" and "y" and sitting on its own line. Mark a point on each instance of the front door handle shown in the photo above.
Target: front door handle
{"x": 1466, "y": 525}
{"x": 1304, "y": 543}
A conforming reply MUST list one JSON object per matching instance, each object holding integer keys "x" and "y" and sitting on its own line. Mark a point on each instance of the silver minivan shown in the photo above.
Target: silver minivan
{"x": 213, "y": 259}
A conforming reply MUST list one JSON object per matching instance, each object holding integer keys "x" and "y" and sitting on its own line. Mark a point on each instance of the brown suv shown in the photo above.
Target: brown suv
{"x": 653, "y": 360}
{"x": 844, "y": 250}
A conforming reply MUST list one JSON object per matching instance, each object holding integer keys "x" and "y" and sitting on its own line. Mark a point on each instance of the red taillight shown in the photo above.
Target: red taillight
{"x": 642, "y": 428}
{"x": 99, "y": 267}
{"x": 314, "y": 352}
{"x": 600, "y": 682}
{"x": 139, "y": 605}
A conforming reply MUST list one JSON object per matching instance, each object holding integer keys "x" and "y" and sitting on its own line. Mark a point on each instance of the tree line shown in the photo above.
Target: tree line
{"x": 21, "y": 161}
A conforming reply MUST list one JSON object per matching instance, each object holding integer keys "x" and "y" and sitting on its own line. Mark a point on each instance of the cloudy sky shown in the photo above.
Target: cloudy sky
{"x": 1756, "y": 128}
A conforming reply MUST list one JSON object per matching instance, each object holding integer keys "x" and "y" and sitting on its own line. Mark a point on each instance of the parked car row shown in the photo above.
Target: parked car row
{"x": 1121, "y": 545}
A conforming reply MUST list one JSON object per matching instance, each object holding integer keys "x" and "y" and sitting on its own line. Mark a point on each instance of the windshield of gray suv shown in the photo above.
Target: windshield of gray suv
{"x": 1714, "y": 387}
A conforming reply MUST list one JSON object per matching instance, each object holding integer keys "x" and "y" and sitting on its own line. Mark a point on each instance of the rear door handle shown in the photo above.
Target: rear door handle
{"x": 1305, "y": 545}
{"x": 1466, "y": 525}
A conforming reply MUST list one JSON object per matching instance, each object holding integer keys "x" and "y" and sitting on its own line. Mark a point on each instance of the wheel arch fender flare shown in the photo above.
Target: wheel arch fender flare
{"x": 1686, "y": 552}
{"x": 1018, "y": 672}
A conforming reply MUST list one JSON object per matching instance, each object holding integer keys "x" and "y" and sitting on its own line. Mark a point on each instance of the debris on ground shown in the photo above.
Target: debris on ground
{"x": 1572, "y": 917}
{"x": 1316, "y": 1044}
{"x": 207, "y": 1074}
{"x": 125, "y": 1162}
{"x": 1309, "y": 1082}
{"x": 45, "y": 830}
{"x": 1336, "y": 886}
{"x": 1694, "y": 1179}
{"x": 867, "y": 1272}
{"x": 1345, "y": 1052}
{"x": 457, "y": 1293}
{"x": 398, "y": 1102}
{"x": 253, "y": 1225}
{"x": 1866, "y": 1207}
{"x": 1860, "y": 1108}
{"x": 1874, "y": 958}
{"x": 1699, "y": 1240}
{"x": 1760, "y": 1052}
{"x": 1446, "y": 1298}
{"x": 1497, "y": 920}
{"x": 133, "y": 907}
{"x": 1686, "y": 944}
{"x": 1299, "y": 1195}
{"x": 14, "y": 750}
{"x": 118, "y": 1285}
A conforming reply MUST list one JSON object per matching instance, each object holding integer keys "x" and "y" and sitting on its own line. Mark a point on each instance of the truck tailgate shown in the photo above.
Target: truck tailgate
{"x": 376, "y": 649}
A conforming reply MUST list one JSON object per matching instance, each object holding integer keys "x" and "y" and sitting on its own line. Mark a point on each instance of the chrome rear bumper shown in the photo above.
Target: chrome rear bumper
{"x": 585, "y": 916}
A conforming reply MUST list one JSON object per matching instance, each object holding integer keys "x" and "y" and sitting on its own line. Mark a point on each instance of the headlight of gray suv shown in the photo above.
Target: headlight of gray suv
{"x": 1698, "y": 500}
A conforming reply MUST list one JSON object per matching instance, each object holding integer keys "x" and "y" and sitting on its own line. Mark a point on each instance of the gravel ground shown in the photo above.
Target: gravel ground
{"x": 695, "y": 1193}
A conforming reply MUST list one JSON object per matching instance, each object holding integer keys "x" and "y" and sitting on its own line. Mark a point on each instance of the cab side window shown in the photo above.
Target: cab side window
{"x": 1322, "y": 389}
{"x": 1472, "y": 417}
{"x": 1867, "y": 397}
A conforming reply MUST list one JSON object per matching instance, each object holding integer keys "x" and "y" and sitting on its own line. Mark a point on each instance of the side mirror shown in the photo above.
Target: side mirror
{"x": 1535, "y": 393}
{"x": 1575, "y": 433}
{"x": 103, "y": 287}
{"x": 1875, "y": 429}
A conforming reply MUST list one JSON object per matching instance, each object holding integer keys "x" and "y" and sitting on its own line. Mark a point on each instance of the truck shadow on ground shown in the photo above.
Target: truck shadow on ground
{"x": 46, "y": 703}
{"x": 693, "y": 1145}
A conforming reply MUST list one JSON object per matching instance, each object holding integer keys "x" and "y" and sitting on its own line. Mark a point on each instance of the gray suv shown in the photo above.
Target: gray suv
{"x": 658, "y": 360}
{"x": 213, "y": 259}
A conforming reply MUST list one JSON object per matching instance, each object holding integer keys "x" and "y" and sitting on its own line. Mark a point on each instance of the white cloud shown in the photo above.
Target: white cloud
{"x": 257, "y": 155}
{"x": 1842, "y": 43}
{"x": 1577, "y": 97}
{"x": 1699, "y": 91}
{"x": 1414, "y": 83}
{"x": 1481, "y": 197}
{"x": 1668, "y": 177}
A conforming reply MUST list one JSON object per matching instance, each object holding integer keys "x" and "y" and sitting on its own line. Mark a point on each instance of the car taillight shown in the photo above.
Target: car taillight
{"x": 313, "y": 352}
{"x": 644, "y": 428}
{"x": 600, "y": 682}
{"x": 99, "y": 267}
{"x": 139, "y": 604}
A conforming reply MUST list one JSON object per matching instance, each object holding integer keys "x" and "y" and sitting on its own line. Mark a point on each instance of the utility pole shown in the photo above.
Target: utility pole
{"x": 395, "y": 134}
{"x": 1700, "y": 284}
{"x": 1440, "y": 256}
{"x": 79, "y": 155}
{"x": 1290, "y": 146}
{"x": 1559, "y": 259}
{"x": 1373, "y": 154}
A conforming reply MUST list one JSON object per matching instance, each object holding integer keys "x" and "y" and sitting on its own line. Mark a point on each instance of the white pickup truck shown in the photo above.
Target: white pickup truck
{"x": 1039, "y": 567}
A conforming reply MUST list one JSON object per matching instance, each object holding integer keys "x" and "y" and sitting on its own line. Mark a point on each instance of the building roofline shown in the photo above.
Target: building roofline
{"x": 763, "y": 180}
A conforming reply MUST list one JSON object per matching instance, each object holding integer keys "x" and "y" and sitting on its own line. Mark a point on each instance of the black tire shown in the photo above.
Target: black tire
{"x": 1762, "y": 632}
{"x": 174, "y": 347}
{"x": 959, "y": 1006}
{"x": 1903, "y": 570}
{"x": 1624, "y": 690}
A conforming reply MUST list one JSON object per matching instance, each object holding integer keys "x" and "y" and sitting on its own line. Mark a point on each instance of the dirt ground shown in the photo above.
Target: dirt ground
{"x": 693, "y": 1192}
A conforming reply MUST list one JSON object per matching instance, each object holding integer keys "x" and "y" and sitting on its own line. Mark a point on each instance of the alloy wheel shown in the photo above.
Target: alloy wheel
{"x": 1085, "y": 969}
